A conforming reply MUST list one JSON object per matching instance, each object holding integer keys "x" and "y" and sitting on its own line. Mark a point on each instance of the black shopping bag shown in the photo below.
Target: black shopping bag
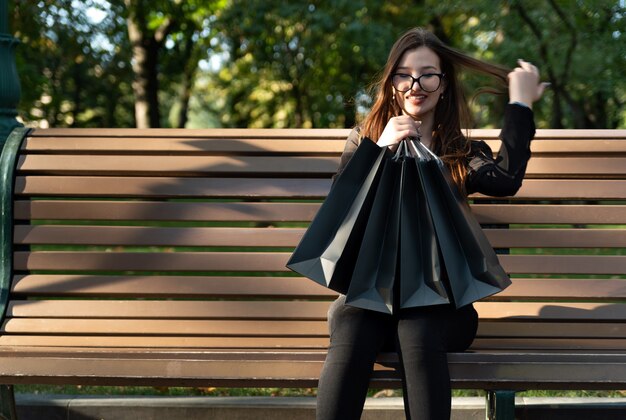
{"x": 329, "y": 247}
{"x": 421, "y": 282}
{"x": 399, "y": 254}
{"x": 374, "y": 272}
{"x": 472, "y": 265}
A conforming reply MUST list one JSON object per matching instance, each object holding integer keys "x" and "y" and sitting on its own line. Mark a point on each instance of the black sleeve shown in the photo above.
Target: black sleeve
{"x": 503, "y": 175}
{"x": 352, "y": 143}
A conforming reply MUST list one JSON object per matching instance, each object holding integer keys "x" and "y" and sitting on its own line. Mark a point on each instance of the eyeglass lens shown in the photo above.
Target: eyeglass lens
{"x": 427, "y": 82}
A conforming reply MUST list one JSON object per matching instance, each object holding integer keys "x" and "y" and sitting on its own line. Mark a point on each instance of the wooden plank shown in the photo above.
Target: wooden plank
{"x": 507, "y": 349}
{"x": 286, "y": 237}
{"x": 556, "y": 238}
{"x": 275, "y": 261}
{"x": 270, "y": 187}
{"x": 552, "y": 311}
{"x": 574, "y": 167}
{"x": 166, "y": 211}
{"x": 146, "y": 165}
{"x": 144, "y": 327}
{"x": 90, "y": 370}
{"x": 142, "y": 261}
{"x": 572, "y": 146}
{"x": 178, "y": 165}
{"x": 566, "y": 134}
{"x": 564, "y": 289}
{"x": 562, "y": 345}
{"x": 90, "y": 186}
{"x": 169, "y": 286}
{"x": 464, "y": 371}
{"x": 560, "y": 329}
{"x": 291, "y": 310}
{"x": 224, "y": 133}
{"x": 564, "y": 264}
{"x": 170, "y": 310}
{"x": 497, "y": 332}
{"x": 556, "y": 189}
{"x": 155, "y": 236}
{"x": 293, "y": 287}
{"x": 234, "y": 211}
{"x": 164, "y": 342}
{"x": 186, "y": 145}
{"x": 550, "y": 214}
{"x": 333, "y": 145}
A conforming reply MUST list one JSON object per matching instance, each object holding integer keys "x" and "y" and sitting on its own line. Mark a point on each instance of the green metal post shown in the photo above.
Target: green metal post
{"x": 8, "y": 160}
{"x": 500, "y": 405}
{"x": 9, "y": 98}
{"x": 9, "y": 81}
{"x": 7, "y": 403}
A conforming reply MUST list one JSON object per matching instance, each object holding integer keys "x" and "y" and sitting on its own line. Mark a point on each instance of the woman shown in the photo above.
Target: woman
{"x": 418, "y": 95}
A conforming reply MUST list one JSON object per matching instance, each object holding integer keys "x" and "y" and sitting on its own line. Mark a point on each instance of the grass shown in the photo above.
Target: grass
{"x": 268, "y": 392}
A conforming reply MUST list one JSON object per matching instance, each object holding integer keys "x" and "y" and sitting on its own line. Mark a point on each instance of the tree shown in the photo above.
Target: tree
{"x": 582, "y": 49}
{"x": 294, "y": 64}
{"x": 72, "y": 68}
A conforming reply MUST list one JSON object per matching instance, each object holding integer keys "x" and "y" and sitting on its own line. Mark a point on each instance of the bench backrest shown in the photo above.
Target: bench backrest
{"x": 179, "y": 238}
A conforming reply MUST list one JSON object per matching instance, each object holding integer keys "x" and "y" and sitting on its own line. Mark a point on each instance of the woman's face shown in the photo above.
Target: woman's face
{"x": 417, "y": 102}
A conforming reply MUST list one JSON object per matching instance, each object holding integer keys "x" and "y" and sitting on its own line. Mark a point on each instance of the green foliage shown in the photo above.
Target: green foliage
{"x": 73, "y": 71}
{"x": 270, "y": 63}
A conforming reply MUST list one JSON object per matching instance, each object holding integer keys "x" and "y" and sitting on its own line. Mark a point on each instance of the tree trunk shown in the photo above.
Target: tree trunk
{"x": 145, "y": 57}
{"x": 190, "y": 63}
{"x": 557, "y": 114}
{"x": 349, "y": 113}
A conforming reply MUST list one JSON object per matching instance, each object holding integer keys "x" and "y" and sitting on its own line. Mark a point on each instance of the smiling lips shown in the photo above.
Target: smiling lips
{"x": 416, "y": 99}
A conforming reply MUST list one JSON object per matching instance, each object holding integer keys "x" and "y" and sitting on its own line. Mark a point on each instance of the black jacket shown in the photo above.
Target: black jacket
{"x": 498, "y": 177}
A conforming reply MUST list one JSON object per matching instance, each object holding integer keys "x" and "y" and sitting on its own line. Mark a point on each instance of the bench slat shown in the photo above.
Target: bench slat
{"x": 178, "y": 165}
{"x": 115, "y": 165}
{"x": 249, "y": 344}
{"x": 294, "y": 287}
{"x": 269, "y": 187}
{"x": 182, "y": 309}
{"x": 169, "y": 286}
{"x": 561, "y": 329}
{"x": 290, "y": 310}
{"x": 297, "y": 133}
{"x": 171, "y": 187}
{"x": 550, "y": 214}
{"x": 188, "y": 327}
{"x": 275, "y": 262}
{"x": 500, "y": 330}
{"x": 543, "y": 344}
{"x": 167, "y": 211}
{"x": 224, "y": 133}
{"x": 607, "y": 141}
{"x": 286, "y": 237}
{"x": 187, "y": 145}
{"x": 77, "y": 368}
{"x": 245, "y": 344}
{"x": 229, "y": 211}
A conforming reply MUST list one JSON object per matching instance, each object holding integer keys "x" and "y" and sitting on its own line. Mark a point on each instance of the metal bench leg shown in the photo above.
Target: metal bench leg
{"x": 500, "y": 405}
{"x": 7, "y": 403}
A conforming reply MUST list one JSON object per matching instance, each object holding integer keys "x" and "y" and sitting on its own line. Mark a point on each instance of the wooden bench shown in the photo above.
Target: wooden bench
{"x": 157, "y": 257}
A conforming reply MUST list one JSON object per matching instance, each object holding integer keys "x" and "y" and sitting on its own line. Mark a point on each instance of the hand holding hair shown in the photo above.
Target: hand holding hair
{"x": 524, "y": 85}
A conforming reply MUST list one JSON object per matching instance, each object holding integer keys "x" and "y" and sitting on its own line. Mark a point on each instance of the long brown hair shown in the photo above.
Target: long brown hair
{"x": 451, "y": 112}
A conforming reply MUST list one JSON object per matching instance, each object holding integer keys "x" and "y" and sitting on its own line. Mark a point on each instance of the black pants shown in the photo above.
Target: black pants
{"x": 422, "y": 337}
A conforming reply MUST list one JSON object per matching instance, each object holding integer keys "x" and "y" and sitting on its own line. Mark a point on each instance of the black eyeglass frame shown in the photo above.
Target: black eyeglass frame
{"x": 441, "y": 76}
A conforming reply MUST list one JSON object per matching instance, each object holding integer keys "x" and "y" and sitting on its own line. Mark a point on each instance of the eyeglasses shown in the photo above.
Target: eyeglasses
{"x": 429, "y": 82}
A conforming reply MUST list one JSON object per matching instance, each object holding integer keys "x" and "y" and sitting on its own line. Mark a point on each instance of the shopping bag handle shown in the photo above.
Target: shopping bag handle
{"x": 402, "y": 152}
{"x": 422, "y": 151}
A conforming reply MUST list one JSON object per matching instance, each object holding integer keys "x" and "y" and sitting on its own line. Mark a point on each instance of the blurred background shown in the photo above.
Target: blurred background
{"x": 286, "y": 63}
